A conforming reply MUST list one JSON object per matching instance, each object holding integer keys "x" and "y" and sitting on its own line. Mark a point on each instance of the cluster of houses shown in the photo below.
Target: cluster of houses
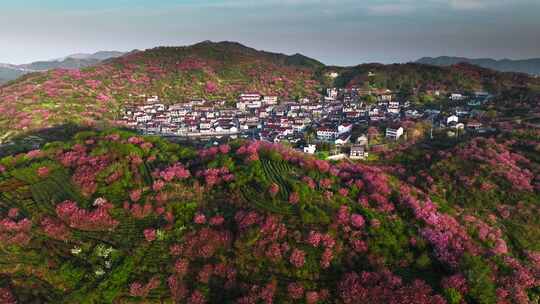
{"x": 330, "y": 119}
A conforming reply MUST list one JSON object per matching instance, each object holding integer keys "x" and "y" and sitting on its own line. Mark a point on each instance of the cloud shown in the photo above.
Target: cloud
{"x": 484, "y": 4}
{"x": 469, "y": 4}
{"x": 390, "y": 9}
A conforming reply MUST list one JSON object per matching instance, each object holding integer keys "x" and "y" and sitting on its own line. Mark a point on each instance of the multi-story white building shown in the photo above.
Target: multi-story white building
{"x": 332, "y": 93}
{"x": 393, "y": 107}
{"x": 325, "y": 133}
{"x": 143, "y": 117}
{"x": 394, "y": 133}
{"x": 250, "y": 97}
{"x": 358, "y": 152}
{"x": 270, "y": 100}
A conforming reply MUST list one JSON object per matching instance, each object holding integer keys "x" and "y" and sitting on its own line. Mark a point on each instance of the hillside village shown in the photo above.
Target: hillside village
{"x": 344, "y": 120}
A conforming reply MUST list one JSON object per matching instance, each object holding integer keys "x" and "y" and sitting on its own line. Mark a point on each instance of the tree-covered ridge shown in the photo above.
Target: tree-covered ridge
{"x": 112, "y": 217}
{"x": 411, "y": 77}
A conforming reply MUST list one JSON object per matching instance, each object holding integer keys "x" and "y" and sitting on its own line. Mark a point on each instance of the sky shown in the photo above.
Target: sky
{"x": 338, "y": 32}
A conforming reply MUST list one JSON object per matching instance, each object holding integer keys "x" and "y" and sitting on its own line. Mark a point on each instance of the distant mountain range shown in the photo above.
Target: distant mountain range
{"x": 529, "y": 66}
{"x": 12, "y": 71}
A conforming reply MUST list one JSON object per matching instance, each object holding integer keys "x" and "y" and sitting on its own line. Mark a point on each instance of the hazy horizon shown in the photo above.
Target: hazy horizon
{"x": 61, "y": 57}
{"x": 333, "y": 32}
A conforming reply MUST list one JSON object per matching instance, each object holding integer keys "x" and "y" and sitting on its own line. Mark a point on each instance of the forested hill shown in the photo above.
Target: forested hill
{"x": 212, "y": 71}
{"x": 459, "y": 77}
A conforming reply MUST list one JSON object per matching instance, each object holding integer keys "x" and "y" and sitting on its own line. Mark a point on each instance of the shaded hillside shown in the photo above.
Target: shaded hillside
{"x": 68, "y": 63}
{"x": 128, "y": 219}
{"x": 460, "y": 77}
{"x": 529, "y": 66}
{"x": 8, "y": 73}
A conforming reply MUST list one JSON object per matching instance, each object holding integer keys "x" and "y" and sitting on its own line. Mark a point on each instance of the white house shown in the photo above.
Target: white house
{"x": 310, "y": 149}
{"x": 358, "y": 152}
{"x": 248, "y": 104}
{"x": 413, "y": 114}
{"x": 384, "y": 97}
{"x": 362, "y": 140}
{"x": 344, "y": 128}
{"x": 298, "y": 126}
{"x": 153, "y": 128}
{"x": 254, "y": 105}
{"x": 452, "y": 118}
{"x": 250, "y": 97}
{"x": 270, "y": 100}
{"x": 197, "y": 102}
{"x": 241, "y": 105}
{"x": 325, "y": 133}
{"x": 226, "y": 129}
{"x": 394, "y": 133}
{"x": 461, "y": 112}
{"x": 343, "y": 139}
{"x": 393, "y": 107}
{"x": 374, "y": 112}
{"x": 152, "y": 99}
{"x": 205, "y": 125}
{"x": 456, "y": 97}
{"x": 143, "y": 118}
{"x": 332, "y": 93}
{"x": 169, "y": 129}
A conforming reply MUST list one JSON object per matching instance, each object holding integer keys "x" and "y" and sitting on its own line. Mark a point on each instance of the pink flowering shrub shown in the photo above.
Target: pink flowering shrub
{"x": 55, "y": 229}
{"x": 445, "y": 233}
{"x": 297, "y": 258}
{"x": 216, "y": 176}
{"x": 14, "y": 232}
{"x": 98, "y": 219}
{"x": 295, "y": 291}
{"x": 135, "y": 195}
{"x": 294, "y": 198}
{"x": 357, "y": 220}
{"x": 176, "y": 171}
{"x": 199, "y": 219}
{"x": 150, "y": 234}
{"x": 384, "y": 287}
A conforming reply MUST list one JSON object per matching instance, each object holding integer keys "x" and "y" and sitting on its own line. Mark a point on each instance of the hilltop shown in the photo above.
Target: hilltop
{"x": 529, "y": 66}
{"x": 213, "y": 71}
{"x": 112, "y": 217}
